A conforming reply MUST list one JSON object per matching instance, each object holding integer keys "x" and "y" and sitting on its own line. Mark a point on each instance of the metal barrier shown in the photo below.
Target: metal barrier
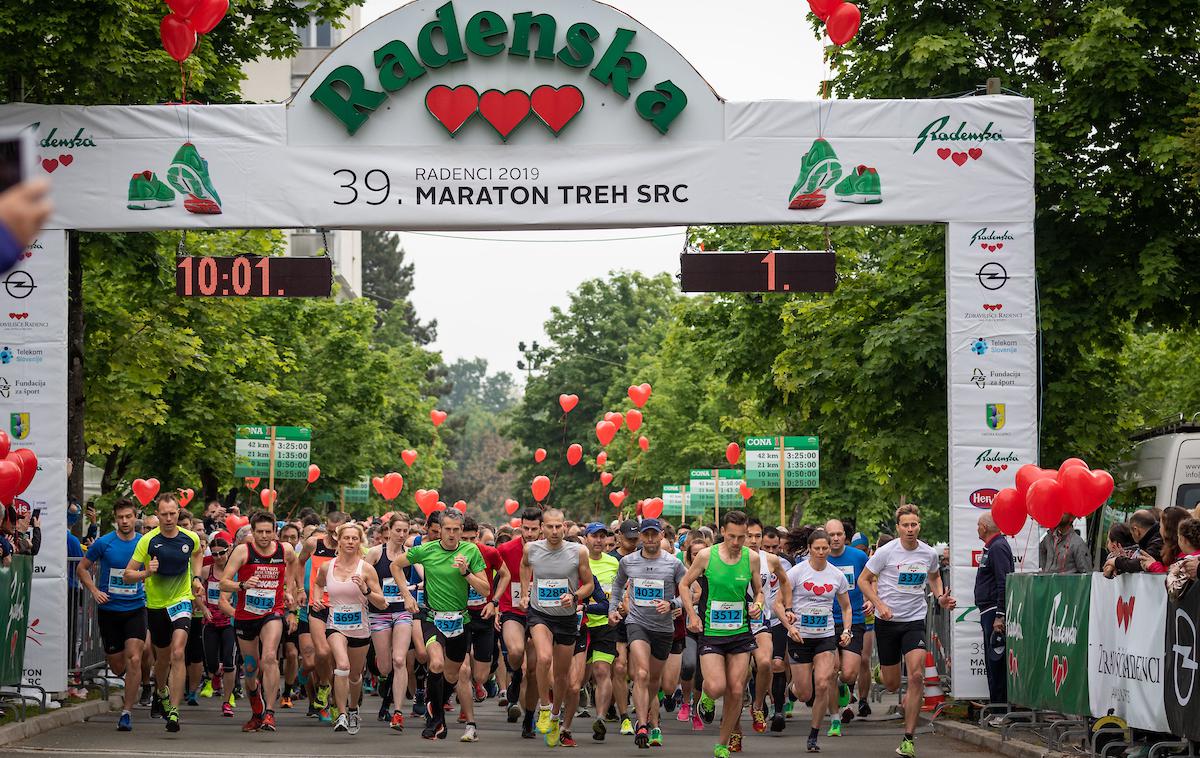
{"x": 86, "y": 664}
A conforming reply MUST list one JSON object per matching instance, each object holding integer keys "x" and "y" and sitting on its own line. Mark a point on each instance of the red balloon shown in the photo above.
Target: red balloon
{"x": 1029, "y": 473}
{"x": 822, "y": 8}
{"x": 427, "y": 501}
{"x": 233, "y": 523}
{"x": 461, "y": 505}
{"x": 252, "y": 482}
{"x": 314, "y": 472}
{"x": 616, "y": 498}
{"x": 747, "y": 492}
{"x": 1071, "y": 463}
{"x": 185, "y": 496}
{"x": 1008, "y": 511}
{"x": 540, "y": 487}
{"x": 268, "y": 498}
{"x": 514, "y": 523}
{"x": 843, "y": 23}
{"x": 390, "y": 485}
{"x": 511, "y": 506}
{"x": 145, "y": 490}
{"x": 1044, "y": 500}
{"x": 605, "y": 478}
{"x": 633, "y": 417}
{"x": 539, "y": 455}
{"x": 208, "y": 13}
{"x": 178, "y": 37}
{"x": 644, "y": 444}
{"x": 617, "y": 419}
{"x": 568, "y": 402}
{"x": 1084, "y": 490}
{"x": 409, "y": 457}
{"x": 437, "y": 417}
{"x": 10, "y": 477}
{"x": 652, "y": 508}
{"x": 5, "y": 444}
{"x": 639, "y": 394}
{"x": 605, "y": 431}
{"x": 732, "y": 453}
{"x": 182, "y": 8}
{"x": 574, "y": 454}
{"x": 602, "y": 458}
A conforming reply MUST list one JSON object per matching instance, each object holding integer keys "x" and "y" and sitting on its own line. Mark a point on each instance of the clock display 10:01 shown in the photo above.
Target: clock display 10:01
{"x": 239, "y": 276}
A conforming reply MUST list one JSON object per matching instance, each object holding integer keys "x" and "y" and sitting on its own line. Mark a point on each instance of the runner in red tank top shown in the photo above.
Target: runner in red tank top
{"x": 265, "y": 574}
{"x": 512, "y": 620}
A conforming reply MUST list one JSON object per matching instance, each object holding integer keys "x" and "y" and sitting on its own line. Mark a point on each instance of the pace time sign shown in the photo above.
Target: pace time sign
{"x": 775, "y": 271}
{"x": 253, "y": 276}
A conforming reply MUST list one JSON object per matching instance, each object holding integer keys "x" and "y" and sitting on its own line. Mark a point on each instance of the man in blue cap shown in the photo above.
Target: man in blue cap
{"x": 653, "y": 577}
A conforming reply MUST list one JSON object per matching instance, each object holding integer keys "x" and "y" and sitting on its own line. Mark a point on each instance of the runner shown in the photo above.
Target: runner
{"x": 808, "y": 618}
{"x": 769, "y": 634}
{"x": 193, "y": 653}
{"x": 121, "y": 607}
{"x": 168, "y": 559}
{"x": 482, "y": 629}
{"x": 265, "y": 574}
{"x": 220, "y": 642}
{"x": 653, "y": 577}
{"x": 289, "y": 534}
{"x": 627, "y": 539}
{"x": 601, "y": 633}
{"x": 726, "y": 643}
{"x": 562, "y": 579}
{"x": 894, "y": 581}
{"x": 851, "y": 562}
{"x": 451, "y": 566}
{"x": 513, "y": 631}
{"x": 319, "y": 549}
{"x": 689, "y": 664}
{"x": 864, "y": 672}
{"x": 349, "y": 583}
{"x": 391, "y": 628}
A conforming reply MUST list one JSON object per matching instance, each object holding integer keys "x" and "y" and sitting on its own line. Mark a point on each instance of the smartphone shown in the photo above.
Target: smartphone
{"x": 17, "y": 157}
{"x": 37, "y": 512}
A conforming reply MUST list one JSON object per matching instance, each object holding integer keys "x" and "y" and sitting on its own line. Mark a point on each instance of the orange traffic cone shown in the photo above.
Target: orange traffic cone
{"x": 934, "y": 697}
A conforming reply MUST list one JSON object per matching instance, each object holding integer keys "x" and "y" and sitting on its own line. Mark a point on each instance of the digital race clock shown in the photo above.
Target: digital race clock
{"x": 253, "y": 276}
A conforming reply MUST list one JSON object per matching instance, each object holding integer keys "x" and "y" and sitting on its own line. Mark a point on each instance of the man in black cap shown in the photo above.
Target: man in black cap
{"x": 628, "y": 538}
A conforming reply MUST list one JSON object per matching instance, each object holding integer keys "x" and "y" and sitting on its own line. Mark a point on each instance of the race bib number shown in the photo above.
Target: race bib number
{"x": 346, "y": 618}
{"x": 726, "y": 616}
{"x": 420, "y": 597}
{"x": 550, "y": 591}
{"x": 474, "y": 599}
{"x": 391, "y": 590}
{"x": 816, "y": 620}
{"x": 213, "y": 591}
{"x": 181, "y": 610}
{"x": 849, "y": 572}
{"x": 515, "y": 589}
{"x": 260, "y": 600}
{"x": 449, "y": 624}
{"x": 647, "y": 591}
{"x": 117, "y": 586}
{"x": 912, "y": 577}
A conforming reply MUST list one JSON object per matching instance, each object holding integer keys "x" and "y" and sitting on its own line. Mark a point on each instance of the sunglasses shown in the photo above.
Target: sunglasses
{"x": 219, "y": 553}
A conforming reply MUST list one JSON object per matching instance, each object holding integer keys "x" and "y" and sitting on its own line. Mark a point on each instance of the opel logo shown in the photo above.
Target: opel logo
{"x": 1185, "y": 657}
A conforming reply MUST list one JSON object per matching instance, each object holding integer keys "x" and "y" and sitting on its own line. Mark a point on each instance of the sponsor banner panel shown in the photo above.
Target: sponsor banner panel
{"x": 1125, "y": 652}
{"x": 46, "y": 640}
{"x": 33, "y": 294}
{"x": 963, "y": 532}
{"x": 31, "y": 373}
{"x": 47, "y": 496}
{"x": 1182, "y": 688}
{"x": 994, "y": 417}
{"x": 1047, "y": 641}
{"x": 968, "y": 675}
{"x": 41, "y": 427}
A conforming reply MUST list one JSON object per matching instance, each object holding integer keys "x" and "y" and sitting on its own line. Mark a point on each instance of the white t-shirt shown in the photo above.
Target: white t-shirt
{"x": 814, "y": 596}
{"x": 903, "y": 575}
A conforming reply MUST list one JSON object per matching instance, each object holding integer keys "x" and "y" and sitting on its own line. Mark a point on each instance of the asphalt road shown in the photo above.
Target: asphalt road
{"x": 206, "y": 734}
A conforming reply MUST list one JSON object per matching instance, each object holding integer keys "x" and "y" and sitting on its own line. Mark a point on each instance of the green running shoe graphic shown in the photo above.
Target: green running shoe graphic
{"x": 146, "y": 193}
{"x": 819, "y": 170}
{"x": 860, "y": 186}
{"x": 189, "y": 174}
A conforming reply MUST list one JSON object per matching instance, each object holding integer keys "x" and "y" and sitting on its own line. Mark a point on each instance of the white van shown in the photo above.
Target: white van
{"x": 1163, "y": 468}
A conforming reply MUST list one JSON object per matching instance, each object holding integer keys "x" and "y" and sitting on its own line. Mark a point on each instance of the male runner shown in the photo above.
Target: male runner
{"x": 851, "y": 562}
{"x": 771, "y": 541}
{"x": 512, "y": 622}
{"x": 602, "y": 637}
{"x": 481, "y": 607}
{"x": 451, "y": 566}
{"x": 561, "y": 577}
{"x": 121, "y": 607}
{"x": 627, "y": 542}
{"x": 725, "y": 643}
{"x": 894, "y": 581}
{"x": 769, "y": 633}
{"x": 265, "y": 574}
{"x": 864, "y": 672}
{"x": 319, "y": 549}
{"x": 168, "y": 559}
{"x": 653, "y": 577}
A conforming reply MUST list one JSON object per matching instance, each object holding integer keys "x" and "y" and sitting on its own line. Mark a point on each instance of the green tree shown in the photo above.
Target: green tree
{"x": 472, "y": 385}
{"x": 388, "y": 281}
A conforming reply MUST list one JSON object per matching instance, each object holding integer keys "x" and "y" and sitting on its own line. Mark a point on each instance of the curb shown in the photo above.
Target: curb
{"x": 986, "y": 738}
{"x": 72, "y": 714}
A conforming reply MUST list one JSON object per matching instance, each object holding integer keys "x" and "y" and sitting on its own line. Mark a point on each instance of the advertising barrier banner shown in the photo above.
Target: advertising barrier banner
{"x": 1181, "y": 692}
{"x": 1125, "y": 649}
{"x": 16, "y": 582}
{"x": 1047, "y": 634}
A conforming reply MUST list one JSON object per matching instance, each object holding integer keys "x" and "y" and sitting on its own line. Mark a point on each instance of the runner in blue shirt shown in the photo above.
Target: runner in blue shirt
{"x": 121, "y": 606}
{"x": 850, "y": 561}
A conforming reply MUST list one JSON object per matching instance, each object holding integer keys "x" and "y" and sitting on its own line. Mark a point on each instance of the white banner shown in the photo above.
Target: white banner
{"x": 1127, "y": 627}
{"x": 33, "y": 409}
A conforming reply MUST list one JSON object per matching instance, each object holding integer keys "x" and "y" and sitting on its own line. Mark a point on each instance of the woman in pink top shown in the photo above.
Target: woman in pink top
{"x": 351, "y": 582}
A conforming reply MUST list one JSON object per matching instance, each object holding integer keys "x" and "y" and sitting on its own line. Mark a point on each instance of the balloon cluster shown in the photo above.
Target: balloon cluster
{"x": 187, "y": 19}
{"x": 17, "y": 468}
{"x": 841, "y": 19}
{"x": 1049, "y": 494}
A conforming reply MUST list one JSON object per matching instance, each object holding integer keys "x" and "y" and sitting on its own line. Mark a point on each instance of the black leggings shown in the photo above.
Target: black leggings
{"x": 220, "y": 644}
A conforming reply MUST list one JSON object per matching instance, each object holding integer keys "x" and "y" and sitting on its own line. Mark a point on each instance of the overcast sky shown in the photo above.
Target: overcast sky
{"x": 748, "y": 50}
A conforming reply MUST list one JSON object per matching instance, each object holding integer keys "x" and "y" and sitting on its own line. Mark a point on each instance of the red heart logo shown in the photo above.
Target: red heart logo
{"x": 989, "y": 467}
{"x": 556, "y": 107}
{"x": 943, "y": 153}
{"x": 66, "y": 159}
{"x": 808, "y": 586}
{"x": 504, "y": 110}
{"x": 818, "y": 590}
{"x": 999, "y": 245}
{"x": 1004, "y": 467}
{"x": 959, "y": 158}
{"x": 991, "y": 248}
{"x": 829, "y": 588}
{"x": 49, "y": 164}
{"x": 983, "y": 246}
{"x": 452, "y": 107}
{"x": 975, "y": 153}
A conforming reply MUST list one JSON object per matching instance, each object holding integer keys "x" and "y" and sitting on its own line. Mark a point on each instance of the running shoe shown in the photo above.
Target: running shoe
{"x": 159, "y": 705}
{"x": 207, "y": 689}
{"x": 778, "y": 722}
{"x": 125, "y": 723}
{"x": 232, "y": 700}
{"x": 173, "y": 720}
{"x": 514, "y": 713}
{"x": 668, "y": 702}
{"x": 322, "y": 700}
{"x": 655, "y": 737}
{"x": 434, "y": 728}
{"x": 611, "y": 714}
{"x": 552, "y": 736}
{"x": 566, "y": 740}
{"x": 470, "y": 734}
{"x": 685, "y": 713}
{"x": 907, "y": 749}
{"x": 760, "y": 720}
{"x": 706, "y": 707}
{"x": 720, "y": 751}
{"x": 227, "y": 710}
{"x": 527, "y": 732}
{"x": 147, "y": 695}
{"x": 491, "y": 688}
{"x": 385, "y": 711}
{"x": 480, "y": 693}
{"x": 641, "y": 737}
{"x": 735, "y": 742}
{"x": 599, "y": 730}
{"x": 191, "y": 698}
{"x": 419, "y": 705}
{"x": 813, "y": 747}
{"x": 864, "y": 708}
{"x": 324, "y": 716}
{"x": 847, "y": 715}
{"x": 188, "y": 174}
{"x": 254, "y": 724}
{"x": 312, "y": 711}
{"x": 462, "y": 717}
{"x": 268, "y": 721}
{"x": 200, "y": 205}
{"x": 788, "y": 707}
{"x": 843, "y": 690}
{"x": 859, "y": 186}
{"x": 835, "y": 728}
{"x": 543, "y": 719}
{"x": 819, "y": 170}
{"x": 342, "y": 723}
{"x": 147, "y": 192}
{"x": 626, "y": 726}
{"x": 285, "y": 702}
{"x": 352, "y": 724}
{"x": 397, "y": 722}
{"x": 697, "y": 723}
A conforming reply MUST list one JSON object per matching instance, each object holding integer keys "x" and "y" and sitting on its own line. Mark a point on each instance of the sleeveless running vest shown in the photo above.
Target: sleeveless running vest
{"x": 554, "y": 572}
{"x": 267, "y": 599}
{"x": 391, "y": 591}
{"x": 725, "y": 612}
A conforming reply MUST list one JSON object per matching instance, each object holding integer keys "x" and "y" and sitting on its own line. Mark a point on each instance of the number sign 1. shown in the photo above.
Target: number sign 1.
{"x": 253, "y": 276}
{"x": 775, "y": 271}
